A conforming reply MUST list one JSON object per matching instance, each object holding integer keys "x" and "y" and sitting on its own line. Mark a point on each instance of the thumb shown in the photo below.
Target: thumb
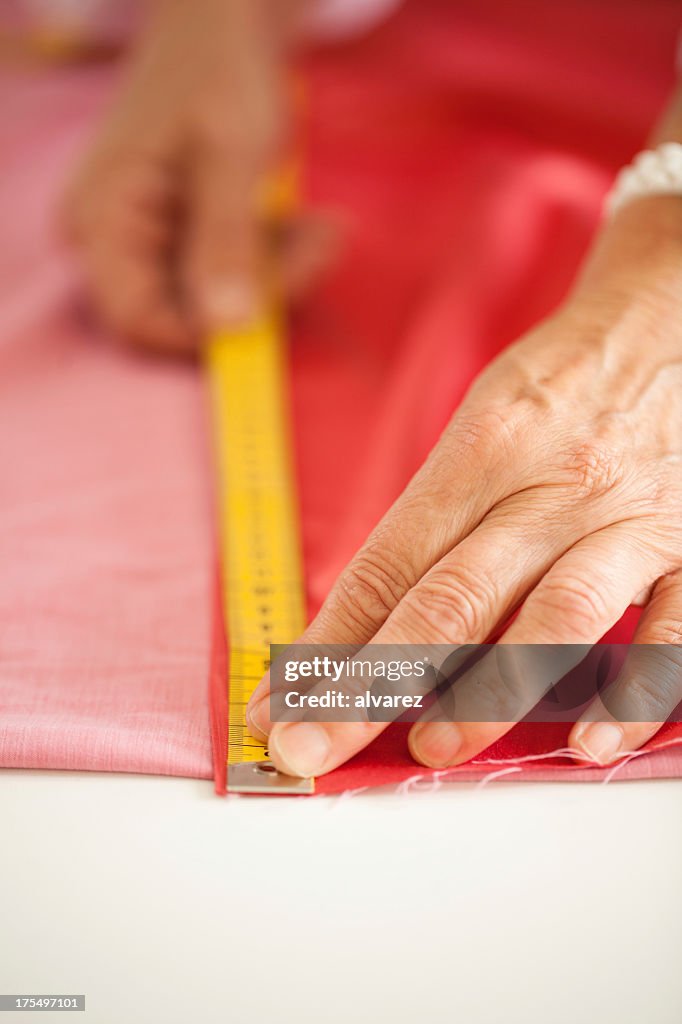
{"x": 224, "y": 252}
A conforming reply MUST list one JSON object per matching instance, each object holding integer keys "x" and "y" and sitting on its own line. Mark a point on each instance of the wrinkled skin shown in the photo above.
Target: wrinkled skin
{"x": 556, "y": 488}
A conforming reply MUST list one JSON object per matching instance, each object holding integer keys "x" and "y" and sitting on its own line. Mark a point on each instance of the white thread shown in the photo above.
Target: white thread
{"x": 347, "y": 794}
{"x": 568, "y": 752}
{"x": 511, "y": 765}
{"x": 414, "y": 782}
{"x": 492, "y": 776}
{"x": 633, "y": 754}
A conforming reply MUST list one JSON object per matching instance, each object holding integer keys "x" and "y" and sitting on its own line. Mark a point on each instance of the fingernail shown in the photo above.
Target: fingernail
{"x": 602, "y": 741}
{"x": 229, "y": 303}
{"x": 436, "y": 744}
{"x": 300, "y": 748}
{"x": 257, "y": 717}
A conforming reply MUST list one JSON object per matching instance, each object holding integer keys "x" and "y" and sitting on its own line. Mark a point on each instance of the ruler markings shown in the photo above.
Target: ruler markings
{"x": 260, "y": 553}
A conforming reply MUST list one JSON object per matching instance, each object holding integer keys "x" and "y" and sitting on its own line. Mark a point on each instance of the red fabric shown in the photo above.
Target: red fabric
{"x": 470, "y": 144}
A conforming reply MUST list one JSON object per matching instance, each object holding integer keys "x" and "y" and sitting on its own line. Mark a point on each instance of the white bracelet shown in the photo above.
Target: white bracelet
{"x": 654, "y": 172}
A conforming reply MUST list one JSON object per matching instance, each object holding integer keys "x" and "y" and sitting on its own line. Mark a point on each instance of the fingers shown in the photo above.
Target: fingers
{"x": 648, "y": 688}
{"x": 237, "y": 247}
{"x": 459, "y": 601}
{"x": 576, "y": 602}
{"x": 423, "y": 525}
{"x": 132, "y": 239}
{"x": 123, "y": 218}
{"x": 475, "y": 587}
{"x": 134, "y": 295}
{"x": 392, "y": 561}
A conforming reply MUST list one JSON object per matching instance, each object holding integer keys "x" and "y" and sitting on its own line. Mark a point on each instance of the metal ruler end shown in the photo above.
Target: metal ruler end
{"x": 262, "y": 777}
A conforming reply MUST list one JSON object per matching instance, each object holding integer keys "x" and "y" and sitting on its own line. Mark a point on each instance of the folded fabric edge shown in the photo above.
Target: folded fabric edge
{"x": 217, "y": 696}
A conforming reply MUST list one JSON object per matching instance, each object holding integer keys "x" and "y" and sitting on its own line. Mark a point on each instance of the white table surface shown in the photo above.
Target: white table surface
{"x": 514, "y": 903}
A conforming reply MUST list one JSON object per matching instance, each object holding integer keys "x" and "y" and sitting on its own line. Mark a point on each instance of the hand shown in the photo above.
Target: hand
{"x": 556, "y": 488}
{"x": 165, "y": 208}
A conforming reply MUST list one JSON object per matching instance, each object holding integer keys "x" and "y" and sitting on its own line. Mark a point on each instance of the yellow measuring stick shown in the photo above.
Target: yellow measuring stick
{"x": 262, "y": 580}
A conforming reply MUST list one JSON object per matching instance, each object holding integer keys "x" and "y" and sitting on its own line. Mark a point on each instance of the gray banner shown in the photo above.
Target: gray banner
{"x": 34, "y": 1003}
{"x": 476, "y": 682}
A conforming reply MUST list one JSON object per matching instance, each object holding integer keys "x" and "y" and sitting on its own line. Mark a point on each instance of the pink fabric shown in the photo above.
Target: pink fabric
{"x": 471, "y": 145}
{"x": 105, "y": 537}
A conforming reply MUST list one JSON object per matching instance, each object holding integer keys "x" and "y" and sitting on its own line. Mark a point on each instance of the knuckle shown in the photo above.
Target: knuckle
{"x": 666, "y": 631}
{"x": 371, "y": 587}
{"x": 594, "y": 469}
{"x": 451, "y": 606}
{"x": 502, "y": 687}
{"x": 669, "y": 587}
{"x": 483, "y": 442}
{"x": 570, "y": 599}
{"x": 498, "y": 696}
{"x": 654, "y": 693}
{"x": 485, "y": 432}
{"x": 133, "y": 326}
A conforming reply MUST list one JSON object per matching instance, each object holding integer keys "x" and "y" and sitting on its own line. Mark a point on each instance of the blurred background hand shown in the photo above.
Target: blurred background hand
{"x": 168, "y": 206}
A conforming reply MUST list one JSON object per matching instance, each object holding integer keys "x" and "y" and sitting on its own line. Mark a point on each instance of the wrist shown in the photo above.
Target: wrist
{"x": 634, "y": 272}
